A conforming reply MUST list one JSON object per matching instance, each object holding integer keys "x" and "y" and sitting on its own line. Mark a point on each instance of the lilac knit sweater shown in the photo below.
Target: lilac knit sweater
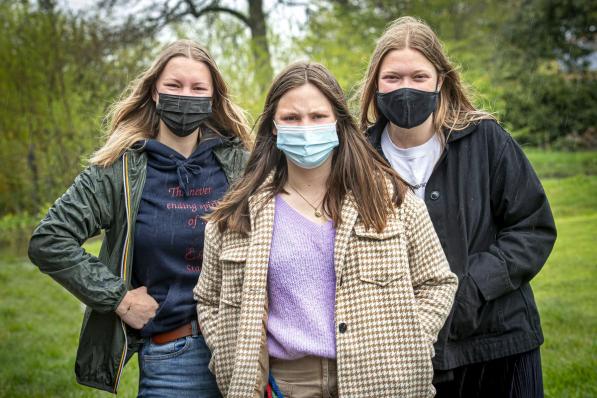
{"x": 301, "y": 287}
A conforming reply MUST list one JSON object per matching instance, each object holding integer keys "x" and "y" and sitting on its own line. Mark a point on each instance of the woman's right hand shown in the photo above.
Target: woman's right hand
{"x": 137, "y": 308}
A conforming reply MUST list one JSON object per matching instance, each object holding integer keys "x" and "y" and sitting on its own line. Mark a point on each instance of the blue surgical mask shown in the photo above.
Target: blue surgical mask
{"x": 307, "y": 146}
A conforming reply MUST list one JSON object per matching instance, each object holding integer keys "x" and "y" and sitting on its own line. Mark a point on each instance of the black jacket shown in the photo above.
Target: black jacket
{"x": 496, "y": 227}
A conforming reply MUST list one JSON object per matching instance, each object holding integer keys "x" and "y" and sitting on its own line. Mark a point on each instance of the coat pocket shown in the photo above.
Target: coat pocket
{"x": 382, "y": 255}
{"x": 233, "y": 261}
{"x": 472, "y": 315}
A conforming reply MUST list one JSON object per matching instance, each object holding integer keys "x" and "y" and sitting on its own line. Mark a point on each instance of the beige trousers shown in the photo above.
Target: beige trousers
{"x": 308, "y": 377}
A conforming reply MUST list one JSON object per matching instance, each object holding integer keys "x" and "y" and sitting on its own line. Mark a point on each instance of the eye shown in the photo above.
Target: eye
{"x": 421, "y": 77}
{"x": 289, "y": 117}
{"x": 390, "y": 77}
{"x": 320, "y": 116}
{"x": 172, "y": 85}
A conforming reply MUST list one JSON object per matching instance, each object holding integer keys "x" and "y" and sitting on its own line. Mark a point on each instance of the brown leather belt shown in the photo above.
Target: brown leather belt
{"x": 179, "y": 332}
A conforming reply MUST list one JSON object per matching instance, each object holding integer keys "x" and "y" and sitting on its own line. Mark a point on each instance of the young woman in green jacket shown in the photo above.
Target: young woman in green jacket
{"x": 176, "y": 143}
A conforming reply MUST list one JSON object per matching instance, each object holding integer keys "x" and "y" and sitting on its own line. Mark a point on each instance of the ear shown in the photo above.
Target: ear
{"x": 154, "y": 95}
{"x": 440, "y": 81}
{"x": 274, "y": 130}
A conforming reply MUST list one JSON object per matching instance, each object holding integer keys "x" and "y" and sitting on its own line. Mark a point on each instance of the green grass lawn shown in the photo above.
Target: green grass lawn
{"x": 550, "y": 164}
{"x": 39, "y": 321}
{"x": 566, "y": 291}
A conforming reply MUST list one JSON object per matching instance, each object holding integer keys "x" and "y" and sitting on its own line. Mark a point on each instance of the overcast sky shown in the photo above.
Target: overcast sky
{"x": 283, "y": 20}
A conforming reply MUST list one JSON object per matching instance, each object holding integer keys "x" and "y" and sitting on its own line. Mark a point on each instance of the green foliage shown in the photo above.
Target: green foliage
{"x": 550, "y": 107}
{"x": 523, "y": 60}
{"x": 550, "y": 90}
{"x": 58, "y": 75}
{"x": 16, "y": 229}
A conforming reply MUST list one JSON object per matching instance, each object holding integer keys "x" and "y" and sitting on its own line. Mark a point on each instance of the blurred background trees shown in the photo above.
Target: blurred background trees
{"x": 532, "y": 62}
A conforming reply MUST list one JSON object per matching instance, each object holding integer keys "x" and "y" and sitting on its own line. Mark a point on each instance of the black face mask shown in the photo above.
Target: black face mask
{"x": 407, "y": 107}
{"x": 183, "y": 114}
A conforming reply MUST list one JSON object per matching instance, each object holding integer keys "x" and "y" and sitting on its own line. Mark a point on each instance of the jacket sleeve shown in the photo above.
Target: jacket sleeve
{"x": 433, "y": 282}
{"x": 207, "y": 290}
{"x": 55, "y": 246}
{"x": 526, "y": 229}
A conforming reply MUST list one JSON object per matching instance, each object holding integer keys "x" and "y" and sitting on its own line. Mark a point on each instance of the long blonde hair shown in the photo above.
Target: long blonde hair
{"x": 356, "y": 166}
{"x": 133, "y": 117}
{"x": 454, "y": 109}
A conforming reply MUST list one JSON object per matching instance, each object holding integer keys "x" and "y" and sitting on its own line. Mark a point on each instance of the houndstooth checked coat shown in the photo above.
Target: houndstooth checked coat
{"x": 394, "y": 290}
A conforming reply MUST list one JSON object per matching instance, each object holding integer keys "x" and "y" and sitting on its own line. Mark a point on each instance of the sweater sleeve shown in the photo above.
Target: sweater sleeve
{"x": 526, "y": 228}
{"x": 55, "y": 246}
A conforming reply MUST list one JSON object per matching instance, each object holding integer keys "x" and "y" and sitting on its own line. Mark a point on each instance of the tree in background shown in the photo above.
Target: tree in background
{"x": 58, "y": 75}
{"x": 160, "y": 14}
{"x": 549, "y": 70}
{"x": 530, "y": 61}
{"x": 526, "y": 61}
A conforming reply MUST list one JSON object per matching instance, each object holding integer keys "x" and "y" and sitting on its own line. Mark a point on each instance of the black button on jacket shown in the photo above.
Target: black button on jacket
{"x": 495, "y": 224}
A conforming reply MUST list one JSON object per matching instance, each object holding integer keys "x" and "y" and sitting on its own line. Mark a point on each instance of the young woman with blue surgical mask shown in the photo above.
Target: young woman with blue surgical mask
{"x": 486, "y": 203}
{"x": 322, "y": 275}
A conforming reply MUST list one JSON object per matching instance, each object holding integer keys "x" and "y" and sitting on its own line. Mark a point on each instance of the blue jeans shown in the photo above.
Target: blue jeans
{"x": 176, "y": 369}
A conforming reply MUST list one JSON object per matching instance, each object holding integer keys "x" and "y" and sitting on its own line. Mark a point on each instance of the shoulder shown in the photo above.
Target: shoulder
{"x": 231, "y": 148}
{"x": 110, "y": 177}
{"x": 486, "y": 138}
{"x": 412, "y": 207}
{"x": 411, "y": 204}
{"x": 490, "y": 131}
{"x": 212, "y": 231}
{"x": 98, "y": 173}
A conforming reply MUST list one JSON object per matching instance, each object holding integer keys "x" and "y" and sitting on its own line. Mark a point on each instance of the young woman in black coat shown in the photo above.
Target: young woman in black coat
{"x": 486, "y": 203}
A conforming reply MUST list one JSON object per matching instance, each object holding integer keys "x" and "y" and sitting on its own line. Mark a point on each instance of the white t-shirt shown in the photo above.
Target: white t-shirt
{"x": 414, "y": 164}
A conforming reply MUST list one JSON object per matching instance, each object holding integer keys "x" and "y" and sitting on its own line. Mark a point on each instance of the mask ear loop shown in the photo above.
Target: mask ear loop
{"x": 436, "y": 92}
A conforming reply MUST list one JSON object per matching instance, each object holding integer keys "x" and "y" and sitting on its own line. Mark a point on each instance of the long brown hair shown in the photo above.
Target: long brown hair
{"x": 454, "y": 110}
{"x": 133, "y": 117}
{"x": 356, "y": 166}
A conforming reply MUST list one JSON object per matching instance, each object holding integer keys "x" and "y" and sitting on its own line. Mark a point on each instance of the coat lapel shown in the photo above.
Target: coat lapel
{"x": 349, "y": 215}
{"x": 254, "y": 294}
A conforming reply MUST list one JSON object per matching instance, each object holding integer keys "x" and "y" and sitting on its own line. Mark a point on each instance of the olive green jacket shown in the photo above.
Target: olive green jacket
{"x": 104, "y": 199}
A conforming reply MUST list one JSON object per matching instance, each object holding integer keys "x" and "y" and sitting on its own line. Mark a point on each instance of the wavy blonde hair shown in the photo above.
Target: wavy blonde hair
{"x": 454, "y": 109}
{"x": 133, "y": 117}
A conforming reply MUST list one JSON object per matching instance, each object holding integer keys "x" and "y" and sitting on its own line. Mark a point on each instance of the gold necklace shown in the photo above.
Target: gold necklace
{"x": 318, "y": 213}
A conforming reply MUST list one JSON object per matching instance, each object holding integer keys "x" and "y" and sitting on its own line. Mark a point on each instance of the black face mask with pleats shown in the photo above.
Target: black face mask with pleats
{"x": 407, "y": 107}
{"x": 183, "y": 114}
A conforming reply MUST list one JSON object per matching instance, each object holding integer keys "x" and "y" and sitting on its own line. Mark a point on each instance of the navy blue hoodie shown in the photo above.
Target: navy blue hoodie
{"x": 169, "y": 232}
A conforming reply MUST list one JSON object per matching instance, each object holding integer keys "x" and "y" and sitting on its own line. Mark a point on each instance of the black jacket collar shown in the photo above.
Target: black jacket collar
{"x": 374, "y": 132}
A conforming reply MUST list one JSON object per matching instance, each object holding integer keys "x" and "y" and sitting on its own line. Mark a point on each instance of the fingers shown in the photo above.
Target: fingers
{"x": 140, "y": 290}
{"x": 140, "y": 308}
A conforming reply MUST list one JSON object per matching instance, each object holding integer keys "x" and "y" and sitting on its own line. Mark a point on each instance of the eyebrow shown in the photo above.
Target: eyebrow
{"x": 394, "y": 71}
{"x": 310, "y": 111}
{"x": 173, "y": 79}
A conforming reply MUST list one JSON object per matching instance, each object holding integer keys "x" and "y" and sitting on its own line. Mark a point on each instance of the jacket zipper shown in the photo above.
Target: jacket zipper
{"x": 123, "y": 263}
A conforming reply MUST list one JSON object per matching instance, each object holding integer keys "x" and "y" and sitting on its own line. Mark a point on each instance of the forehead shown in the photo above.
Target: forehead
{"x": 304, "y": 98}
{"x": 183, "y": 68}
{"x": 405, "y": 61}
